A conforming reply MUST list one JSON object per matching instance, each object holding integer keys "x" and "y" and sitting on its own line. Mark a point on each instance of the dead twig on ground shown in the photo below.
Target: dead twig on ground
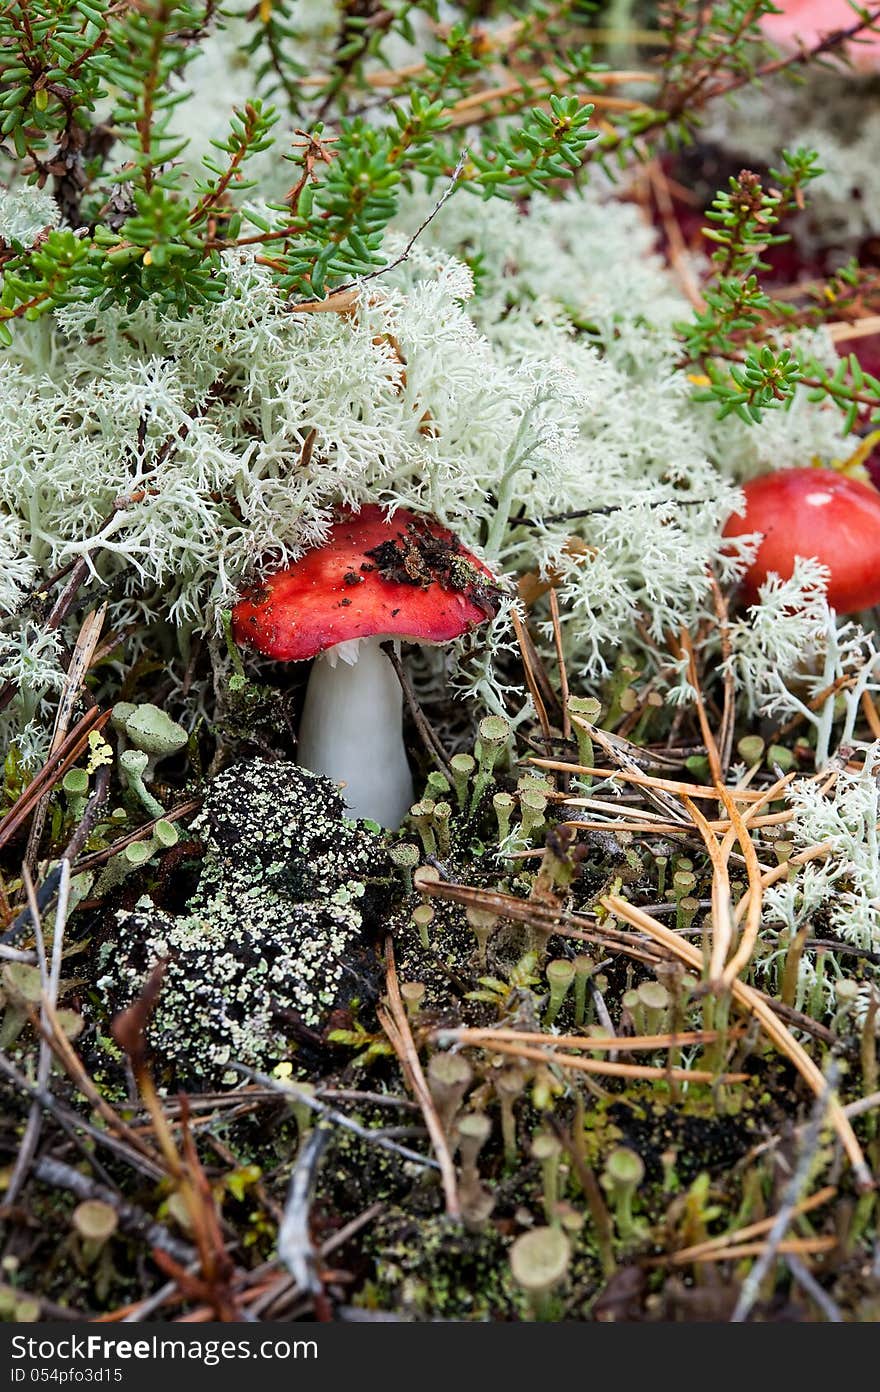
{"x": 80, "y": 661}
{"x": 295, "y": 1247}
{"x": 372, "y": 1135}
{"x": 739, "y": 1236}
{"x": 395, "y": 1023}
{"x": 600, "y": 1067}
{"x": 131, "y": 1218}
{"x": 52, "y": 771}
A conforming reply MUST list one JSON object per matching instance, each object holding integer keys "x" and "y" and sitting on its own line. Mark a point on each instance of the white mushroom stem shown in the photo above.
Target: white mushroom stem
{"x": 351, "y": 730}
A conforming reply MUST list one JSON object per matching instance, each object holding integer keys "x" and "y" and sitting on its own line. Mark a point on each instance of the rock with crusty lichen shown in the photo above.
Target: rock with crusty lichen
{"x": 277, "y": 931}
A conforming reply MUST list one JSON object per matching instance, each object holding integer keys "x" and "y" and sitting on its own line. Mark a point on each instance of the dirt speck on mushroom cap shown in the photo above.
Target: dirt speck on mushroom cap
{"x": 406, "y": 576}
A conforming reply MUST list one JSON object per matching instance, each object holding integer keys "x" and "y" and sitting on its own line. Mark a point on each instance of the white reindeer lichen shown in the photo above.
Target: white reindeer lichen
{"x": 543, "y": 418}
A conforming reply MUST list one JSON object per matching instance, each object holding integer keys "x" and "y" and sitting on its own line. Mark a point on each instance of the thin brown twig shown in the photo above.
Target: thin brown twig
{"x": 601, "y": 1067}
{"x": 658, "y": 827}
{"x": 679, "y": 255}
{"x": 175, "y": 814}
{"x": 531, "y": 666}
{"x": 647, "y": 780}
{"x": 759, "y": 1249}
{"x": 295, "y": 1246}
{"x": 543, "y": 915}
{"x": 728, "y": 712}
{"x": 740, "y": 1235}
{"x": 131, "y": 1219}
{"x": 75, "y": 1126}
{"x": 52, "y": 771}
{"x": 560, "y": 662}
{"x": 799, "y": 1177}
{"x": 81, "y": 659}
{"x": 79, "y": 1076}
{"x": 623, "y": 1043}
{"x": 395, "y": 1023}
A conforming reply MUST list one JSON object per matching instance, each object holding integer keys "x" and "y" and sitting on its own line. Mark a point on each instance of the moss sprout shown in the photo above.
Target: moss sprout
{"x": 436, "y": 785}
{"x": 493, "y": 734}
{"x": 539, "y": 1262}
{"x": 569, "y": 1218}
{"x": 782, "y": 851}
{"x": 422, "y": 817}
{"x": 631, "y": 1002}
{"x": 547, "y": 1150}
{"x": 503, "y": 804}
{"x": 133, "y": 764}
{"x": 655, "y": 1001}
{"x": 449, "y": 1077}
{"x": 509, "y": 1085}
{"x": 661, "y": 862}
{"x": 423, "y": 877}
{"x": 750, "y": 749}
{"x": 136, "y": 855}
{"x": 560, "y": 977}
{"x": 683, "y": 883}
{"x": 412, "y": 993}
{"x": 462, "y": 767}
{"x": 589, "y": 709}
{"x": 624, "y": 1172}
{"x": 76, "y": 785}
{"x": 152, "y": 730}
{"x": 442, "y": 815}
{"x": 686, "y": 911}
{"x": 423, "y": 917}
{"x": 404, "y": 856}
{"x": 473, "y": 1132}
{"x": 95, "y": 1223}
{"x": 584, "y": 967}
{"x": 532, "y": 805}
{"x": 166, "y": 833}
{"x": 483, "y": 924}
{"x": 620, "y": 696}
{"x": 846, "y": 996}
{"x": 780, "y": 757}
{"x": 477, "y": 1202}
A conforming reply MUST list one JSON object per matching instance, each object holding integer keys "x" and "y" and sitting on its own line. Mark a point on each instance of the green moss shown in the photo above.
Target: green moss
{"x": 432, "y": 1269}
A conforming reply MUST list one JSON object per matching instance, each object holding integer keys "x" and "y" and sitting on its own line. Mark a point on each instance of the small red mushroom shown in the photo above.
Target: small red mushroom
{"x": 374, "y": 578}
{"x": 819, "y": 513}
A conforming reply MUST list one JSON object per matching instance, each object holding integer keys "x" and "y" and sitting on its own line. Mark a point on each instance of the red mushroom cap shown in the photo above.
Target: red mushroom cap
{"x": 820, "y": 513}
{"x": 804, "y": 22}
{"x": 405, "y": 576}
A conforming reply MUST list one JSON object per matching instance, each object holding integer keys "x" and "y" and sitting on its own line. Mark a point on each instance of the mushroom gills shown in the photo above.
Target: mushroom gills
{"x": 350, "y": 731}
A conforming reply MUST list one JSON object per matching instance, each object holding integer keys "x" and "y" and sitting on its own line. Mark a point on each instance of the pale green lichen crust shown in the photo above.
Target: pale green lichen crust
{"x": 277, "y": 932}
